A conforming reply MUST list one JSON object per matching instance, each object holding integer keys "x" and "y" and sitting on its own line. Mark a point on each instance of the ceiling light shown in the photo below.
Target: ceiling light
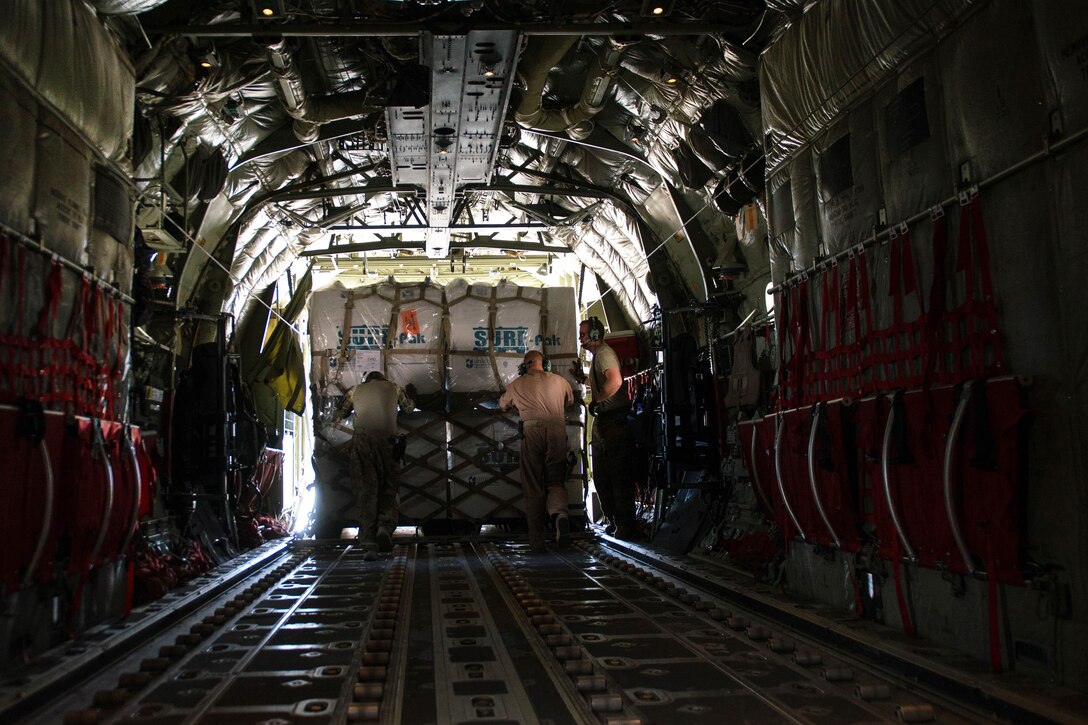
{"x": 656, "y": 8}
{"x": 635, "y": 133}
{"x": 267, "y": 9}
{"x": 205, "y": 59}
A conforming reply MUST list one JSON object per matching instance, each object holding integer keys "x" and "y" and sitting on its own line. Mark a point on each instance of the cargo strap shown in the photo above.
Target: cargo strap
{"x": 15, "y": 346}
{"x": 345, "y": 336}
{"x": 863, "y": 329}
{"x": 825, "y": 374}
{"x": 48, "y": 352}
{"x": 963, "y": 340}
{"x": 793, "y": 343}
{"x": 904, "y": 345}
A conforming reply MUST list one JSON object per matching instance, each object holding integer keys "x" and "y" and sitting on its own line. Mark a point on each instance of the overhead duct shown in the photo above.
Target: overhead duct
{"x": 310, "y": 114}
{"x": 530, "y": 112}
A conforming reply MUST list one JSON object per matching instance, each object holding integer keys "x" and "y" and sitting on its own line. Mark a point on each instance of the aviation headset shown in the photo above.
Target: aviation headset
{"x": 596, "y": 329}
{"x": 547, "y": 365}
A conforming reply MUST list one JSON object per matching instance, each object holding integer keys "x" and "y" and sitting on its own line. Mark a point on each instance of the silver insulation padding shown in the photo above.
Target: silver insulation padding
{"x": 834, "y": 54}
{"x": 791, "y": 210}
{"x": 988, "y": 93}
{"x": 61, "y": 51}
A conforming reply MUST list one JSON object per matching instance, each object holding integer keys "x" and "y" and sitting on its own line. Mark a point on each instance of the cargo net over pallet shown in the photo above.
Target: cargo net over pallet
{"x": 459, "y": 346}
{"x": 462, "y": 468}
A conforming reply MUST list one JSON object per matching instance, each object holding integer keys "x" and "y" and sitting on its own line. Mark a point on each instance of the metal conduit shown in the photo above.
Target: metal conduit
{"x": 778, "y": 475}
{"x": 817, "y": 411}
{"x": 949, "y": 458}
{"x": 756, "y": 483}
{"x": 885, "y": 474}
{"x": 134, "y": 523}
{"x": 47, "y": 516}
{"x": 100, "y": 447}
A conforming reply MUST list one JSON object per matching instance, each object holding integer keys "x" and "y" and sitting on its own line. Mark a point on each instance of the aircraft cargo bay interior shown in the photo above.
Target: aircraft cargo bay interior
{"x": 509, "y": 361}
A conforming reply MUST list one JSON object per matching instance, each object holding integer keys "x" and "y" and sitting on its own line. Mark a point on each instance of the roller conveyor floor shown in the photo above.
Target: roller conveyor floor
{"x": 473, "y": 632}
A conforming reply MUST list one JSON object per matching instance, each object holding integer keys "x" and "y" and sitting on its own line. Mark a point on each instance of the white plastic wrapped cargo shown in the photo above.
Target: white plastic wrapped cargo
{"x": 416, "y": 314}
{"x": 392, "y": 328}
{"x": 326, "y": 320}
{"x": 491, "y": 329}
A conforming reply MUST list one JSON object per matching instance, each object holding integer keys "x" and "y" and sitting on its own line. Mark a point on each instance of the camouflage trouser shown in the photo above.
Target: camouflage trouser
{"x": 375, "y": 477}
{"x": 543, "y": 475}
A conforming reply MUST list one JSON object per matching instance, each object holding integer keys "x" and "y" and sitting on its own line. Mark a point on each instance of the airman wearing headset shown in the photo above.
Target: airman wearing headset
{"x": 613, "y": 445}
{"x": 541, "y": 397}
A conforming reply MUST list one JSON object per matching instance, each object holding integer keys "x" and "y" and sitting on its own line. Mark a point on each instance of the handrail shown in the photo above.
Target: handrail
{"x": 47, "y": 516}
{"x": 100, "y": 446}
{"x": 949, "y": 505}
{"x": 778, "y": 475}
{"x": 756, "y": 483}
{"x": 136, "y": 496}
{"x": 884, "y": 472}
{"x": 817, "y": 411}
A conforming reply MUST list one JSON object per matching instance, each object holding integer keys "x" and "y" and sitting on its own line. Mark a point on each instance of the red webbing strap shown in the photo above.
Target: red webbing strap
{"x": 982, "y": 313}
{"x": 850, "y": 358}
{"x": 938, "y": 299}
{"x": 782, "y": 318}
{"x": 105, "y": 370}
{"x": 963, "y": 338}
{"x": 74, "y": 380}
{"x": 117, "y": 372}
{"x": 867, "y": 356}
{"x": 54, "y": 286}
{"x": 800, "y": 337}
{"x": 97, "y": 365}
{"x": 838, "y": 383}
{"x": 816, "y": 369}
{"x": 825, "y": 373}
{"x": 96, "y": 324}
{"x": 903, "y": 343}
{"x": 45, "y": 353}
{"x": 916, "y": 343}
{"x": 900, "y": 589}
{"x": 892, "y": 337}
